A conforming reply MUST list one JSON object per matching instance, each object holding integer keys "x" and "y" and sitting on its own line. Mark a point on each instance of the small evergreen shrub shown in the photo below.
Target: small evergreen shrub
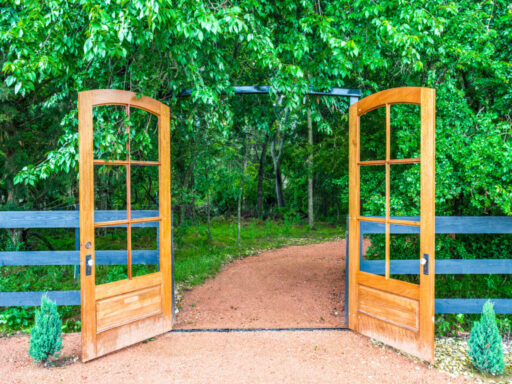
{"x": 485, "y": 348}
{"x": 45, "y": 336}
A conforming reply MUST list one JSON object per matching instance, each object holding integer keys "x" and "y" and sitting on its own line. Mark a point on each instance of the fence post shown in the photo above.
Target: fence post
{"x": 172, "y": 269}
{"x": 346, "y": 275}
{"x": 76, "y": 270}
{"x": 158, "y": 243}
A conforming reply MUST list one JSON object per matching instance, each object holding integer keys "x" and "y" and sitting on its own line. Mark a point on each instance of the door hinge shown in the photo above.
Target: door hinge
{"x": 424, "y": 262}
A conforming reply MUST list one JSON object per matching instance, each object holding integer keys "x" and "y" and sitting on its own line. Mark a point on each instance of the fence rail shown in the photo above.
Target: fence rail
{"x": 448, "y": 225}
{"x": 65, "y": 219}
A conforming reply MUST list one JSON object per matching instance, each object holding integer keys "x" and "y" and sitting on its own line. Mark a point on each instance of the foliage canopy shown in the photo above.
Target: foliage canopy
{"x": 51, "y": 50}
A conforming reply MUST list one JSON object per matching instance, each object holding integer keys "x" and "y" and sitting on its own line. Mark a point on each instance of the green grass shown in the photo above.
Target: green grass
{"x": 198, "y": 255}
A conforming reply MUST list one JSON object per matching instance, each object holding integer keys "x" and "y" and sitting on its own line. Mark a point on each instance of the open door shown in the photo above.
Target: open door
{"x": 396, "y": 312}
{"x": 124, "y": 312}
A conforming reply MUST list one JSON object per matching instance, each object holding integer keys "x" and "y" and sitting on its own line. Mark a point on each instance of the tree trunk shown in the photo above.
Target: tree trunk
{"x": 208, "y": 214}
{"x": 311, "y": 213}
{"x": 186, "y": 181}
{"x": 208, "y": 205}
{"x": 277, "y": 156}
{"x": 241, "y": 191}
{"x": 261, "y": 172}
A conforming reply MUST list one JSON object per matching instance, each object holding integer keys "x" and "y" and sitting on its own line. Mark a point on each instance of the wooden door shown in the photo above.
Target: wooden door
{"x": 124, "y": 312}
{"x": 398, "y": 313}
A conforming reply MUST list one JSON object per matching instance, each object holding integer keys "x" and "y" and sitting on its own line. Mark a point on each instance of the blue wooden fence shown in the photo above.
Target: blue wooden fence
{"x": 456, "y": 225}
{"x": 70, "y": 219}
{"x": 65, "y": 219}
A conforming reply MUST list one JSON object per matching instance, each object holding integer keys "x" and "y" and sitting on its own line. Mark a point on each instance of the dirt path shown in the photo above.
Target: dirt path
{"x": 255, "y": 357}
{"x": 291, "y": 287}
{"x": 297, "y": 287}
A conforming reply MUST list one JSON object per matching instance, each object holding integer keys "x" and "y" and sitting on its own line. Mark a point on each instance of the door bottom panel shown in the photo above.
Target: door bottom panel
{"x": 128, "y": 334}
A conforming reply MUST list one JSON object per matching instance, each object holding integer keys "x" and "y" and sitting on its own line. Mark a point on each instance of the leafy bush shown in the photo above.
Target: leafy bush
{"x": 16, "y": 318}
{"x": 485, "y": 348}
{"x": 46, "y": 338}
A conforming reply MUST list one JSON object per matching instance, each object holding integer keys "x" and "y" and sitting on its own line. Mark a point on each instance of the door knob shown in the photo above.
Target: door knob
{"x": 424, "y": 262}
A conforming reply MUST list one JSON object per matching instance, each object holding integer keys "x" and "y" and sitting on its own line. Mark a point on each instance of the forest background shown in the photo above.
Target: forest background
{"x": 253, "y": 170}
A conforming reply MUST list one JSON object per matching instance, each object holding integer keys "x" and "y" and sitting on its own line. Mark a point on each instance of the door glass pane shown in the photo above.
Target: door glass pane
{"x": 143, "y": 135}
{"x": 373, "y": 135}
{"x": 145, "y": 254}
{"x": 110, "y": 190}
{"x": 373, "y": 190}
{"x": 109, "y": 132}
{"x": 405, "y": 249}
{"x": 373, "y": 250}
{"x": 405, "y": 123}
{"x": 144, "y": 191}
{"x": 405, "y": 190}
{"x": 111, "y": 265}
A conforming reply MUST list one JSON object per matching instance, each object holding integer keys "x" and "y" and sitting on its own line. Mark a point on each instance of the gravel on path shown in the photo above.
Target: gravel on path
{"x": 248, "y": 357}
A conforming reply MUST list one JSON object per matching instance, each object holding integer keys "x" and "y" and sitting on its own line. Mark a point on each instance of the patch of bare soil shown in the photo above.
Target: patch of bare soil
{"x": 293, "y": 287}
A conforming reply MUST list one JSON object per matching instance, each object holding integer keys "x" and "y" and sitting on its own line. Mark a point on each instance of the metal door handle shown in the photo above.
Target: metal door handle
{"x": 424, "y": 262}
{"x": 89, "y": 262}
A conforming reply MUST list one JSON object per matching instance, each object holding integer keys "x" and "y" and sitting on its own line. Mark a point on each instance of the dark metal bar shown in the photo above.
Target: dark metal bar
{"x": 224, "y": 330}
{"x": 353, "y": 94}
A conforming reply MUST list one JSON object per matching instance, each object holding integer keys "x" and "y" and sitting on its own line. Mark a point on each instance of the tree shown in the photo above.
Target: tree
{"x": 277, "y": 155}
{"x": 485, "y": 346}
{"x": 45, "y": 336}
{"x": 261, "y": 171}
{"x": 241, "y": 189}
{"x": 311, "y": 212}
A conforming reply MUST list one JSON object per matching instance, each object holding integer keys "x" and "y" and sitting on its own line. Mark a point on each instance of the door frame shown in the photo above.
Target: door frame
{"x": 161, "y": 322}
{"x": 425, "y": 97}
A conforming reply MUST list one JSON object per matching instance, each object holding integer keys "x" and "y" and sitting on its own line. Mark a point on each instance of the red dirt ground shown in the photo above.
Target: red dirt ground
{"x": 255, "y": 357}
{"x": 301, "y": 286}
{"x": 290, "y": 287}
